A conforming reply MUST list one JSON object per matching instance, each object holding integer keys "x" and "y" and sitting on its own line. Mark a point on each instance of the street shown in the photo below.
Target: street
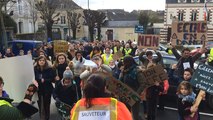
{"x": 168, "y": 114}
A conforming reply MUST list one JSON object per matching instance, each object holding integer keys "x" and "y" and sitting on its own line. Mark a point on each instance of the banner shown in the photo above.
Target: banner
{"x": 189, "y": 33}
{"x": 17, "y": 73}
{"x": 202, "y": 78}
{"x": 148, "y": 41}
{"x": 60, "y": 46}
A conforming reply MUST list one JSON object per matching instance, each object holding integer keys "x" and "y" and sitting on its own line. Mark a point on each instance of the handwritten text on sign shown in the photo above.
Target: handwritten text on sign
{"x": 203, "y": 79}
{"x": 125, "y": 93}
{"x": 189, "y": 32}
{"x": 150, "y": 41}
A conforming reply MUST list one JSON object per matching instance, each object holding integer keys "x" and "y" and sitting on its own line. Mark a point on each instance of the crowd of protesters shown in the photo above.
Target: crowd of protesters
{"x": 73, "y": 81}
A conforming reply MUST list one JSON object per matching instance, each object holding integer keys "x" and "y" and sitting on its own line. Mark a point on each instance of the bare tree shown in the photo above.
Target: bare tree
{"x": 100, "y": 19}
{"x": 73, "y": 21}
{"x": 49, "y": 15}
{"x": 34, "y": 15}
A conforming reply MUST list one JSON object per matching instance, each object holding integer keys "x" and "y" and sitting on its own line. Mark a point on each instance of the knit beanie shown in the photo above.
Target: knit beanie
{"x": 68, "y": 74}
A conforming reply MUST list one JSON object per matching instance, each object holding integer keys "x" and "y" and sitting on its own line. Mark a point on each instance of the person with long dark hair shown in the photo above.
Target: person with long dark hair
{"x": 97, "y": 104}
{"x": 129, "y": 77}
{"x": 44, "y": 76}
{"x": 60, "y": 65}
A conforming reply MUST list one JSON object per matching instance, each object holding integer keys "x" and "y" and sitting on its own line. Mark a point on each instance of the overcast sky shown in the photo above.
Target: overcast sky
{"x": 127, "y": 5}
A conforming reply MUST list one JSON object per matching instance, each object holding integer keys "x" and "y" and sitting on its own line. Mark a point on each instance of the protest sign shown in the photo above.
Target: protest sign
{"x": 18, "y": 73}
{"x": 189, "y": 33}
{"x": 117, "y": 55}
{"x": 60, "y": 46}
{"x": 148, "y": 77}
{"x": 202, "y": 78}
{"x": 148, "y": 41}
{"x": 116, "y": 87}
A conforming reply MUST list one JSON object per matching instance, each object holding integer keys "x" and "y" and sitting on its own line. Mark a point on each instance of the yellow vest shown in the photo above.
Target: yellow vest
{"x": 3, "y": 102}
{"x": 211, "y": 55}
{"x": 105, "y": 60}
{"x": 127, "y": 52}
{"x": 97, "y": 111}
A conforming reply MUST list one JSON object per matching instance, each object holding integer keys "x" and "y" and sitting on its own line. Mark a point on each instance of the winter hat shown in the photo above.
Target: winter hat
{"x": 68, "y": 74}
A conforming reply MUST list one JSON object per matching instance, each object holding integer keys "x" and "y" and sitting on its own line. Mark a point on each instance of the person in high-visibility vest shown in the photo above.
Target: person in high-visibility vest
{"x": 127, "y": 50}
{"x": 210, "y": 58}
{"x": 97, "y": 105}
{"x": 107, "y": 56}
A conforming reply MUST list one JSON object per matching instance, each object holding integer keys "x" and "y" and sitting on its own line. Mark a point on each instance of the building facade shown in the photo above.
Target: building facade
{"x": 24, "y": 15}
{"x": 187, "y": 10}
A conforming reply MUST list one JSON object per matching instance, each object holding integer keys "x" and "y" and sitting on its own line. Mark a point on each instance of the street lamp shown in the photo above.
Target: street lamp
{"x": 4, "y": 42}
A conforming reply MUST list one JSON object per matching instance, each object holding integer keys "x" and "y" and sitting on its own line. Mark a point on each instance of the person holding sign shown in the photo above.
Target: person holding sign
{"x": 186, "y": 61}
{"x": 129, "y": 77}
{"x": 186, "y": 98}
{"x": 97, "y": 105}
{"x": 149, "y": 58}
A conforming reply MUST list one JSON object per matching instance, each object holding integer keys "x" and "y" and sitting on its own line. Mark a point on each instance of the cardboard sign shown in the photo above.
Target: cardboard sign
{"x": 17, "y": 73}
{"x": 148, "y": 41}
{"x": 202, "y": 78}
{"x": 189, "y": 33}
{"x": 60, "y": 46}
{"x": 117, "y": 55}
{"x": 125, "y": 93}
{"x": 150, "y": 76}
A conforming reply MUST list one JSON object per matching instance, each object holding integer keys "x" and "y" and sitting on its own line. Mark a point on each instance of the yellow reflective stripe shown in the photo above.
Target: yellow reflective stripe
{"x": 113, "y": 111}
{"x": 76, "y": 111}
{"x": 211, "y": 55}
{"x": 4, "y": 102}
{"x": 115, "y": 49}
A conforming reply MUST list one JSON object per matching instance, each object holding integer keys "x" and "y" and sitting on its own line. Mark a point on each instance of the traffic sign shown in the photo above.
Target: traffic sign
{"x": 138, "y": 29}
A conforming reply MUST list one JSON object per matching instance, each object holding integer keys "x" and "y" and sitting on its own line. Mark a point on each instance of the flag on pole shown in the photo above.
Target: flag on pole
{"x": 205, "y": 14}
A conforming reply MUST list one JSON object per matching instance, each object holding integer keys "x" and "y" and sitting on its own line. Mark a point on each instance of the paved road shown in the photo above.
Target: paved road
{"x": 167, "y": 114}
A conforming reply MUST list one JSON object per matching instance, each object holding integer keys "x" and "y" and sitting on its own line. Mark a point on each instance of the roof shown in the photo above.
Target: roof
{"x": 119, "y": 15}
{"x": 122, "y": 23}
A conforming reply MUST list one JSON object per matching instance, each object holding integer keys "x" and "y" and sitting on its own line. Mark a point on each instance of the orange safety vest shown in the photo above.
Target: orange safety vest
{"x": 105, "y": 60}
{"x": 102, "y": 109}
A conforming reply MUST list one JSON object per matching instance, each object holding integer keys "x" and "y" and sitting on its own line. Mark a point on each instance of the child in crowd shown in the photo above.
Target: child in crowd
{"x": 186, "y": 98}
{"x": 187, "y": 75}
{"x": 2, "y": 92}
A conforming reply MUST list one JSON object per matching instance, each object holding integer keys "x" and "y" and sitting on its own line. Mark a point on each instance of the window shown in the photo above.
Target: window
{"x": 182, "y": 1}
{"x": 181, "y": 15}
{"x": 196, "y": 1}
{"x": 63, "y": 21}
{"x": 62, "y": 6}
{"x": 208, "y": 16}
{"x": 194, "y": 16}
{"x": 20, "y": 27}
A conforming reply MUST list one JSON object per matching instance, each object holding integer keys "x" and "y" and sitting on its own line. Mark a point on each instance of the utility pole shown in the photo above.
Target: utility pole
{"x": 4, "y": 41}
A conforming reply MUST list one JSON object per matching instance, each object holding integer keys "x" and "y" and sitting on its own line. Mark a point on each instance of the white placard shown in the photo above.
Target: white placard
{"x": 17, "y": 73}
{"x": 90, "y": 63}
{"x": 94, "y": 115}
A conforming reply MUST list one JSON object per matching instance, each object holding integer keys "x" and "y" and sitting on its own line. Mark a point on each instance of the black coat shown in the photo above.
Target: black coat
{"x": 48, "y": 75}
{"x": 182, "y": 108}
{"x": 67, "y": 95}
